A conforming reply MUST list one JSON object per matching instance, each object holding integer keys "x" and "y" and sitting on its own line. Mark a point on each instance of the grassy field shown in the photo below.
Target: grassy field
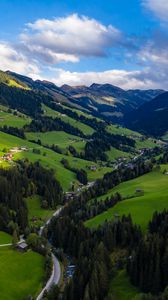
{"x": 23, "y": 272}
{"x": 115, "y": 153}
{"x": 52, "y": 113}
{"x": 121, "y": 288}
{"x": 5, "y": 238}
{"x": 59, "y": 138}
{"x": 50, "y": 159}
{"x": 146, "y": 143}
{"x": 141, "y": 208}
{"x": 10, "y": 119}
{"x": 116, "y": 129}
{"x": 35, "y": 210}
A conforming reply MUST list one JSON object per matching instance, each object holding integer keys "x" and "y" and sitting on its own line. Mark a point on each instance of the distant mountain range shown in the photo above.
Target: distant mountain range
{"x": 151, "y": 117}
{"x": 108, "y": 100}
{"x": 141, "y": 110}
{"x": 101, "y": 100}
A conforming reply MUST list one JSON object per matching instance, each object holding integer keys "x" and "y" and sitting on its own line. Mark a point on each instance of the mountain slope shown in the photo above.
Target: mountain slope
{"x": 150, "y": 118}
{"x": 100, "y": 100}
{"x": 109, "y": 101}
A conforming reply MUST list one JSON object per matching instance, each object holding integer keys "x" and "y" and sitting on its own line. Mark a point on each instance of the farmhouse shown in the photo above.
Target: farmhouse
{"x": 7, "y": 157}
{"x": 23, "y": 148}
{"x": 69, "y": 195}
{"x": 22, "y": 247}
{"x": 139, "y": 191}
{"x": 93, "y": 168}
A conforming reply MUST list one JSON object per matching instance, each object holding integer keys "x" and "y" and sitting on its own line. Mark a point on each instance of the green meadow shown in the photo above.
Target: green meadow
{"x": 50, "y": 159}
{"x": 144, "y": 143}
{"x": 121, "y": 288}
{"x": 24, "y": 272}
{"x": 10, "y": 119}
{"x": 141, "y": 208}
{"x": 35, "y": 210}
{"x": 5, "y": 238}
{"x": 54, "y": 114}
{"x": 114, "y": 153}
{"x": 59, "y": 138}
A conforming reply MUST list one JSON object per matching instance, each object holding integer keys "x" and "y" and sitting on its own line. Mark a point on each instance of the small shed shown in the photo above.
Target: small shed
{"x": 22, "y": 247}
{"x": 139, "y": 191}
{"x": 93, "y": 168}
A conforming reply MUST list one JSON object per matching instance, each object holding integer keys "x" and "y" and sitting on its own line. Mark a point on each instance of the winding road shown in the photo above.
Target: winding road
{"x": 56, "y": 271}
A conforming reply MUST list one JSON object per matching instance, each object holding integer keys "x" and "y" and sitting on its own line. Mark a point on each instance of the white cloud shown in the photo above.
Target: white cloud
{"x": 158, "y": 7}
{"x": 46, "y": 43}
{"x": 69, "y": 38}
{"x": 15, "y": 61}
{"x": 122, "y": 78}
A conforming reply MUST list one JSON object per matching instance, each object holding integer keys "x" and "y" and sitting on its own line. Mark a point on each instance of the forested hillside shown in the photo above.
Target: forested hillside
{"x": 79, "y": 188}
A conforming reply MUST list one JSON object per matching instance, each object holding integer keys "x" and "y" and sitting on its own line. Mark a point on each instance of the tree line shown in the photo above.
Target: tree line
{"x": 20, "y": 182}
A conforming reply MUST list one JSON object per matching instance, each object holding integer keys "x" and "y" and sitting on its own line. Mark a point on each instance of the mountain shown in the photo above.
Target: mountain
{"x": 108, "y": 100}
{"x": 99, "y": 100}
{"x": 151, "y": 117}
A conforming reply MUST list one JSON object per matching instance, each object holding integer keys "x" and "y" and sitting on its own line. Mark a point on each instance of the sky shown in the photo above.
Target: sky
{"x": 77, "y": 42}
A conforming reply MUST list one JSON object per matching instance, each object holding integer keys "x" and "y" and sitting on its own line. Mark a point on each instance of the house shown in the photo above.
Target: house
{"x": 22, "y": 247}
{"x": 15, "y": 149}
{"x": 139, "y": 191}
{"x": 69, "y": 195}
{"x": 7, "y": 156}
{"x": 93, "y": 168}
{"x": 23, "y": 148}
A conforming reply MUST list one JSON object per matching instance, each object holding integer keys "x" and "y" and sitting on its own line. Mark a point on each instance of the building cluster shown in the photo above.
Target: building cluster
{"x": 9, "y": 155}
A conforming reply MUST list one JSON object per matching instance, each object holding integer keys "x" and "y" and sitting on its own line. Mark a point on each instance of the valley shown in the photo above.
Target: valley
{"x": 107, "y": 181}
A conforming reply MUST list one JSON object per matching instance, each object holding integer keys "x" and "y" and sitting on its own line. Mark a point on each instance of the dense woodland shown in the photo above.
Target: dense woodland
{"x": 91, "y": 250}
{"x": 148, "y": 263}
{"x": 102, "y": 141}
{"x": 26, "y": 101}
{"x": 44, "y": 124}
{"x": 92, "y": 122}
{"x": 20, "y": 182}
{"x": 145, "y": 255}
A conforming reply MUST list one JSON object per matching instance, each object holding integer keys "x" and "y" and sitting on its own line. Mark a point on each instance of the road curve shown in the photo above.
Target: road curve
{"x": 56, "y": 271}
{"x": 54, "y": 278}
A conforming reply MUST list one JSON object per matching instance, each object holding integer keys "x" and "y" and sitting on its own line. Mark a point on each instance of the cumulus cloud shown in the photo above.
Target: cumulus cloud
{"x": 122, "y": 78}
{"x": 158, "y": 7}
{"x": 16, "y": 61}
{"x": 45, "y": 43}
{"x": 69, "y": 38}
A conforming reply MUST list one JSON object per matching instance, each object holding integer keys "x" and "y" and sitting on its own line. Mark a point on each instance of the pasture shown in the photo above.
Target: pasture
{"x": 141, "y": 207}
{"x": 59, "y": 138}
{"x": 87, "y": 130}
{"x": 24, "y": 272}
{"x": 5, "y": 238}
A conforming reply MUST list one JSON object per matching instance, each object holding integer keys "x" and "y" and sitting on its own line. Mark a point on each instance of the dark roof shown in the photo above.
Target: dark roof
{"x": 22, "y": 245}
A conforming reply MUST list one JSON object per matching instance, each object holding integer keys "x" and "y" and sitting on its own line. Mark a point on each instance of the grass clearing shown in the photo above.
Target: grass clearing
{"x": 121, "y": 288}
{"x": 141, "y": 208}
{"x": 141, "y": 142}
{"x": 10, "y": 119}
{"x": 115, "y": 153}
{"x": 50, "y": 159}
{"x": 5, "y": 238}
{"x": 87, "y": 130}
{"x": 59, "y": 138}
{"x": 24, "y": 272}
{"x": 35, "y": 210}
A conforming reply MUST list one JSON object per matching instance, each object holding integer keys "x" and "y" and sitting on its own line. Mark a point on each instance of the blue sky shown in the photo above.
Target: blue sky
{"x": 80, "y": 42}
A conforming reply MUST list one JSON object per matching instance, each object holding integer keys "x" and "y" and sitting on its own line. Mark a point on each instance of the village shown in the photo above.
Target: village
{"x": 8, "y": 156}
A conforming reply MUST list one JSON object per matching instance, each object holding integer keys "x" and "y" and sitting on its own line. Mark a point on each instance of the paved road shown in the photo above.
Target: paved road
{"x": 55, "y": 214}
{"x": 5, "y": 245}
{"x": 10, "y": 244}
{"x": 56, "y": 271}
{"x": 54, "y": 278}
